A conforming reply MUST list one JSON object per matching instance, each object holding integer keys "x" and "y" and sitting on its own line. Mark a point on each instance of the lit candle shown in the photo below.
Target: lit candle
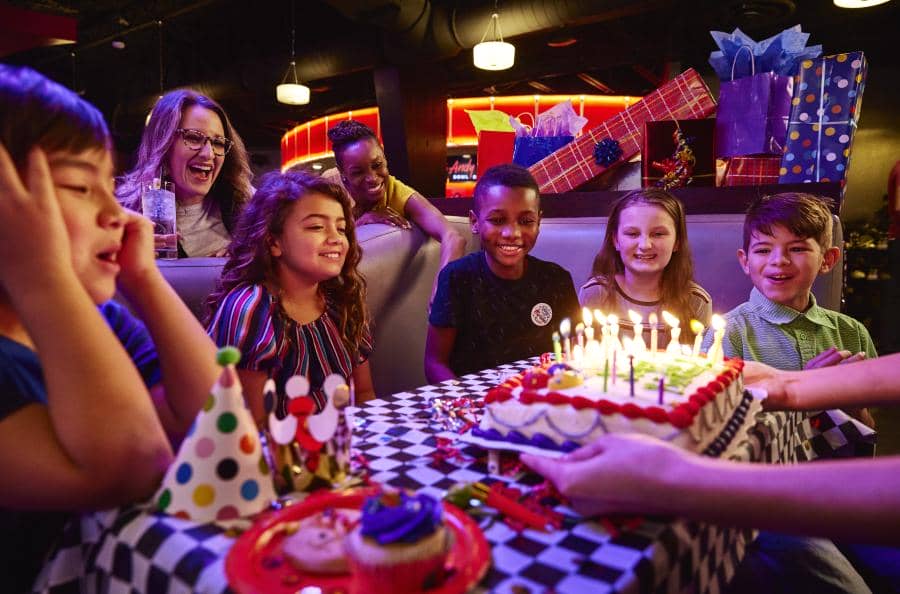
{"x": 604, "y": 333}
{"x": 614, "y": 331}
{"x": 631, "y": 373}
{"x": 662, "y": 386}
{"x": 557, "y": 347}
{"x": 675, "y": 324}
{"x": 637, "y": 342}
{"x": 697, "y": 329}
{"x": 565, "y": 327}
{"x": 579, "y": 332}
{"x": 653, "y": 320}
{"x": 615, "y": 353}
{"x": 586, "y": 317}
{"x": 593, "y": 354}
{"x": 588, "y": 323}
{"x": 716, "y": 354}
{"x": 577, "y": 353}
{"x": 605, "y": 374}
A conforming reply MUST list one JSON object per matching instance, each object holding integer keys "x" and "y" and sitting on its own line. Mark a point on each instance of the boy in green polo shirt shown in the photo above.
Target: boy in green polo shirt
{"x": 787, "y": 244}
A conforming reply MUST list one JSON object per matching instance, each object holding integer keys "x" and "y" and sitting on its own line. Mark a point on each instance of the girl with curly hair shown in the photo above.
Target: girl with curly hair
{"x": 190, "y": 142}
{"x": 290, "y": 296}
{"x": 645, "y": 265}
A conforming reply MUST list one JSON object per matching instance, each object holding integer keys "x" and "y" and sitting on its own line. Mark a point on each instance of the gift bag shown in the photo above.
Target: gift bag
{"x": 528, "y": 150}
{"x": 494, "y": 148}
{"x": 753, "y": 114}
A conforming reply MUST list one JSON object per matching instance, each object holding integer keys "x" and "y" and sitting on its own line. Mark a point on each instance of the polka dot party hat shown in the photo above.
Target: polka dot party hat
{"x": 220, "y": 472}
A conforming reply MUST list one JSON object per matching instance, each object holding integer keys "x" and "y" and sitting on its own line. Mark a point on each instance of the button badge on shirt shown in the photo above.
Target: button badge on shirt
{"x": 541, "y": 314}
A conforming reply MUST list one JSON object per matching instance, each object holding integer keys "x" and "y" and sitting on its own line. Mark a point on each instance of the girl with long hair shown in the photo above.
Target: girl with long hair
{"x": 290, "y": 296}
{"x": 190, "y": 142}
{"x": 645, "y": 265}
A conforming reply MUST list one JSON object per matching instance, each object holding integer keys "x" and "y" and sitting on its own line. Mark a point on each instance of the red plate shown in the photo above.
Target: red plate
{"x": 256, "y": 565}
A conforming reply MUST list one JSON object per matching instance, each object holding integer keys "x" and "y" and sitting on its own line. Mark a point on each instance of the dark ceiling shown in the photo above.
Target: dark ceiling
{"x": 237, "y": 51}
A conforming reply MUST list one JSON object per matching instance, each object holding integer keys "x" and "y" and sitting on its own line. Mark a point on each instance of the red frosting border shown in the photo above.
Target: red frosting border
{"x": 681, "y": 416}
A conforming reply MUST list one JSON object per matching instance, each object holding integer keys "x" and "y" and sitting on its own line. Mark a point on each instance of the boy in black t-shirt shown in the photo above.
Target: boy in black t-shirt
{"x": 499, "y": 304}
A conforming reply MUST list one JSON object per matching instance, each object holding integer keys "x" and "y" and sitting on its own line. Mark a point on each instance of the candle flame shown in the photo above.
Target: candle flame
{"x": 718, "y": 322}
{"x": 671, "y": 320}
{"x": 613, "y": 320}
{"x": 555, "y": 337}
{"x": 635, "y": 317}
{"x": 565, "y": 327}
{"x": 697, "y": 327}
{"x": 598, "y": 315}
{"x": 626, "y": 344}
{"x": 653, "y": 318}
{"x": 579, "y": 328}
{"x": 587, "y": 317}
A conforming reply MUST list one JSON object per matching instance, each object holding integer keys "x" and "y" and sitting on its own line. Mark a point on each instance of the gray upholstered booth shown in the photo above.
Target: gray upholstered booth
{"x": 400, "y": 266}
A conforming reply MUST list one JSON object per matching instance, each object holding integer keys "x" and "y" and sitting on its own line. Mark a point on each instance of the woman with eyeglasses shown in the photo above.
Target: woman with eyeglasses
{"x": 190, "y": 142}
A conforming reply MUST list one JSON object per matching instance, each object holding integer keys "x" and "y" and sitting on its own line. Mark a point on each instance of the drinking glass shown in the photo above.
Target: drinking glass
{"x": 158, "y": 205}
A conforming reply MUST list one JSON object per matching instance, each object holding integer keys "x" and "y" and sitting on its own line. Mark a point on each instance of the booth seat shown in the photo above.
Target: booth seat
{"x": 400, "y": 265}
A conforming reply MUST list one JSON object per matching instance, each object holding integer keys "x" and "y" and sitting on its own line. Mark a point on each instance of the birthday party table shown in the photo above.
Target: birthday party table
{"x": 138, "y": 550}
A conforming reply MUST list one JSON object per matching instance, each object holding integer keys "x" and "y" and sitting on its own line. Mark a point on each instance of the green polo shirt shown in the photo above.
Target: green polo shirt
{"x": 777, "y": 335}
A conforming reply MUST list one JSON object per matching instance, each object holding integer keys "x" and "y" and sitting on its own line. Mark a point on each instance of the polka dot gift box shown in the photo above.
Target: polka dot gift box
{"x": 824, "y": 113}
{"x": 220, "y": 472}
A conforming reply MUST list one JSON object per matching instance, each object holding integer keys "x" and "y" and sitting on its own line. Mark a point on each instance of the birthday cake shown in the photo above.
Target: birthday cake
{"x": 691, "y": 401}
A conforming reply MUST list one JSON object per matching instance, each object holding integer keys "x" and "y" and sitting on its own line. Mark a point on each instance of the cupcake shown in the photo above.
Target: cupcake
{"x": 400, "y": 544}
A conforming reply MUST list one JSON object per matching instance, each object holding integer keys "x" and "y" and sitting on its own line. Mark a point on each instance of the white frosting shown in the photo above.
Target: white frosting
{"x": 564, "y": 422}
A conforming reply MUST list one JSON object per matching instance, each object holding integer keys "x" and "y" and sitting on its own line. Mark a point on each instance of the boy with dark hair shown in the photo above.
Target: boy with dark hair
{"x": 91, "y": 398}
{"x": 499, "y": 304}
{"x": 787, "y": 244}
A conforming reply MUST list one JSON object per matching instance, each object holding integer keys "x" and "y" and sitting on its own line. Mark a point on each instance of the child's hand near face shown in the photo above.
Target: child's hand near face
{"x": 33, "y": 236}
{"x": 136, "y": 256}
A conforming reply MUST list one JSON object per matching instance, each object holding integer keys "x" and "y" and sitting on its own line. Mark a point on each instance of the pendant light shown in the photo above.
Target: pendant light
{"x": 858, "y": 3}
{"x": 290, "y": 91}
{"x": 495, "y": 54}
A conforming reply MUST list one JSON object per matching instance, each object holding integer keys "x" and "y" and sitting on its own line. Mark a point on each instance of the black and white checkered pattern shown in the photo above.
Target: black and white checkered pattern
{"x": 135, "y": 550}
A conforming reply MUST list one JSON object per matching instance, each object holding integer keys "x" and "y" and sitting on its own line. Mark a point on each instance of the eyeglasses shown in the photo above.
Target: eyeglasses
{"x": 195, "y": 139}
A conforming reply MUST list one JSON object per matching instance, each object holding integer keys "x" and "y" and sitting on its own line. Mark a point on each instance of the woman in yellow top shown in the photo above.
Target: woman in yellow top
{"x": 379, "y": 197}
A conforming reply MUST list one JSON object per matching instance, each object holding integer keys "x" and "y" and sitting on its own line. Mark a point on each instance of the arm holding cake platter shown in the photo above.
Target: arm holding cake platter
{"x": 872, "y": 382}
{"x": 854, "y": 500}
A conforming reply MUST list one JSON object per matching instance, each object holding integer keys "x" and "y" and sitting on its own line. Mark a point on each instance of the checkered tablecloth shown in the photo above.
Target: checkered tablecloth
{"x": 135, "y": 550}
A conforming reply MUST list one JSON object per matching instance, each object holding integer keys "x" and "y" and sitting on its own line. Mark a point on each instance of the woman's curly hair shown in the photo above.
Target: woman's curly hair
{"x": 250, "y": 261}
{"x": 346, "y": 133}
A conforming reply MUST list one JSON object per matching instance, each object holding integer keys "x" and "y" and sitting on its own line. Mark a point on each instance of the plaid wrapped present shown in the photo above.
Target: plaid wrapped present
{"x": 759, "y": 170}
{"x": 618, "y": 139}
{"x": 825, "y": 110}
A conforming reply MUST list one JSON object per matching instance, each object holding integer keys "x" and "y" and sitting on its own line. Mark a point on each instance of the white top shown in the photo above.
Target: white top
{"x": 202, "y": 230}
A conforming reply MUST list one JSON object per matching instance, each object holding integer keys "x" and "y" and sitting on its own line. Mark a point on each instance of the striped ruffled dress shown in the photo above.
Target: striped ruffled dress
{"x": 251, "y": 319}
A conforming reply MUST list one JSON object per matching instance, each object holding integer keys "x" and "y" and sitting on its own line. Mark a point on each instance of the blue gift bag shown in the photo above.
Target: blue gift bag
{"x": 528, "y": 150}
